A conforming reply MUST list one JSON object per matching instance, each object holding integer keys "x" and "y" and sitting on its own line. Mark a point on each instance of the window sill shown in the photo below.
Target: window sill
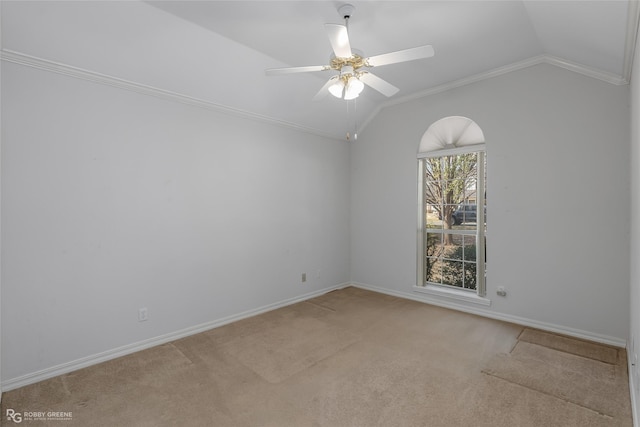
{"x": 455, "y": 294}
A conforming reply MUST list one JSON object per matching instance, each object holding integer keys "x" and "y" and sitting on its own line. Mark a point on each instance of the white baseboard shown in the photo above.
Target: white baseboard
{"x": 577, "y": 333}
{"x": 94, "y": 359}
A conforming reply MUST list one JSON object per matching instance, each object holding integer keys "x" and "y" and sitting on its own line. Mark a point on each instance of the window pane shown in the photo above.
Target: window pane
{"x": 433, "y": 269}
{"x": 433, "y": 217}
{"x": 454, "y": 250}
{"x": 470, "y": 275}
{"x": 452, "y": 273}
{"x": 448, "y": 219}
{"x": 434, "y": 246}
{"x": 469, "y": 248}
{"x": 455, "y": 190}
{"x": 434, "y": 192}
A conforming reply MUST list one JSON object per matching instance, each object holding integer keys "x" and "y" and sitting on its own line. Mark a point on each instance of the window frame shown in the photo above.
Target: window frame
{"x": 478, "y": 295}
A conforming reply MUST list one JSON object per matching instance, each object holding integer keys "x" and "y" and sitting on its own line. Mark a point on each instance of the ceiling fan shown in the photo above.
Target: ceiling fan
{"x": 352, "y": 65}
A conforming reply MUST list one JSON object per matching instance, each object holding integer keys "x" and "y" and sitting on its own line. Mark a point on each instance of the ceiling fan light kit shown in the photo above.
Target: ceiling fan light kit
{"x": 337, "y": 89}
{"x": 347, "y": 86}
{"x": 353, "y": 88}
{"x": 349, "y": 63}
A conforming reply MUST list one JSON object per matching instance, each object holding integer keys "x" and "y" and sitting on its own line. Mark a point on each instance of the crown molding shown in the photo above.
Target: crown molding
{"x": 95, "y": 77}
{"x": 586, "y": 71}
{"x": 536, "y": 60}
{"x": 104, "y": 79}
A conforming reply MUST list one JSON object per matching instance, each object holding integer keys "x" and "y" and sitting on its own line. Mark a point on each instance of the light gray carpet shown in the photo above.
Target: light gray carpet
{"x": 347, "y": 358}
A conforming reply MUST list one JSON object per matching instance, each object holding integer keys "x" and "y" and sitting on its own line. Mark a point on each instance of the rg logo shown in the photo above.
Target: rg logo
{"x": 14, "y": 416}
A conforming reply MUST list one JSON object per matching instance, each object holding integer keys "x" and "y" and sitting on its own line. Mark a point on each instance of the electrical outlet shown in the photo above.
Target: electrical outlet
{"x": 304, "y": 277}
{"x": 317, "y": 274}
{"x": 143, "y": 314}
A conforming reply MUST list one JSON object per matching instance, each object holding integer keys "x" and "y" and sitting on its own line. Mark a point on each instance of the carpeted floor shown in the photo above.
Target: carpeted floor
{"x": 347, "y": 358}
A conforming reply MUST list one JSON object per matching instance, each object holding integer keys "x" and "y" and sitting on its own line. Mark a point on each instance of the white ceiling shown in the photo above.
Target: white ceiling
{"x": 469, "y": 38}
{"x": 217, "y": 51}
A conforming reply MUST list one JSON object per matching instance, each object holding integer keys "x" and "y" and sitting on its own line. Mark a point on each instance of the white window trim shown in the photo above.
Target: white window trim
{"x": 453, "y": 151}
{"x": 451, "y": 293}
{"x": 478, "y": 297}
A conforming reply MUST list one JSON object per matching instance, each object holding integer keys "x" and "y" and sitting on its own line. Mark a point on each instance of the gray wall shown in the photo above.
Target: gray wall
{"x": 558, "y": 197}
{"x": 113, "y": 200}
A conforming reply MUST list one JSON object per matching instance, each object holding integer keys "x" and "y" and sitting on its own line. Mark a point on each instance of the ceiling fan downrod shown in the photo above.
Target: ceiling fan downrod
{"x": 346, "y": 10}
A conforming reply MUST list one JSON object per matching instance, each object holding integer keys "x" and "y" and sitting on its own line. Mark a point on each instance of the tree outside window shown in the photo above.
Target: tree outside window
{"x": 450, "y": 200}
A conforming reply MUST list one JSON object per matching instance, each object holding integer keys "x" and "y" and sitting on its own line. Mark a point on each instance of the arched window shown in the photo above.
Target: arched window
{"x": 451, "y": 132}
{"x": 452, "y": 213}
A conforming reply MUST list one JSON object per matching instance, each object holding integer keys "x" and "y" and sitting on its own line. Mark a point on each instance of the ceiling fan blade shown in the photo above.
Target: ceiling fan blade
{"x": 291, "y": 70}
{"x": 325, "y": 89}
{"x": 401, "y": 56}
{"x": 339, "y": 39}
{"x": 378, "y": 84}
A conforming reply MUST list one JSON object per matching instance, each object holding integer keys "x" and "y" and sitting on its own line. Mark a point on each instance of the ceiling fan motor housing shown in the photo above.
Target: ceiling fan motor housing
{"x": 346, "y": 70}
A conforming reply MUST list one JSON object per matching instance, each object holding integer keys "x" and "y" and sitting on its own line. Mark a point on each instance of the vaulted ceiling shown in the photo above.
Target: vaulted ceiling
{"x": 215, "y": 52}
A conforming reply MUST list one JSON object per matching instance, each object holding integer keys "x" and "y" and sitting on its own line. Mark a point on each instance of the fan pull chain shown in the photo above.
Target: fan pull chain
{"x": 348, "y": 135}
{"x": 355, "y": 119}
